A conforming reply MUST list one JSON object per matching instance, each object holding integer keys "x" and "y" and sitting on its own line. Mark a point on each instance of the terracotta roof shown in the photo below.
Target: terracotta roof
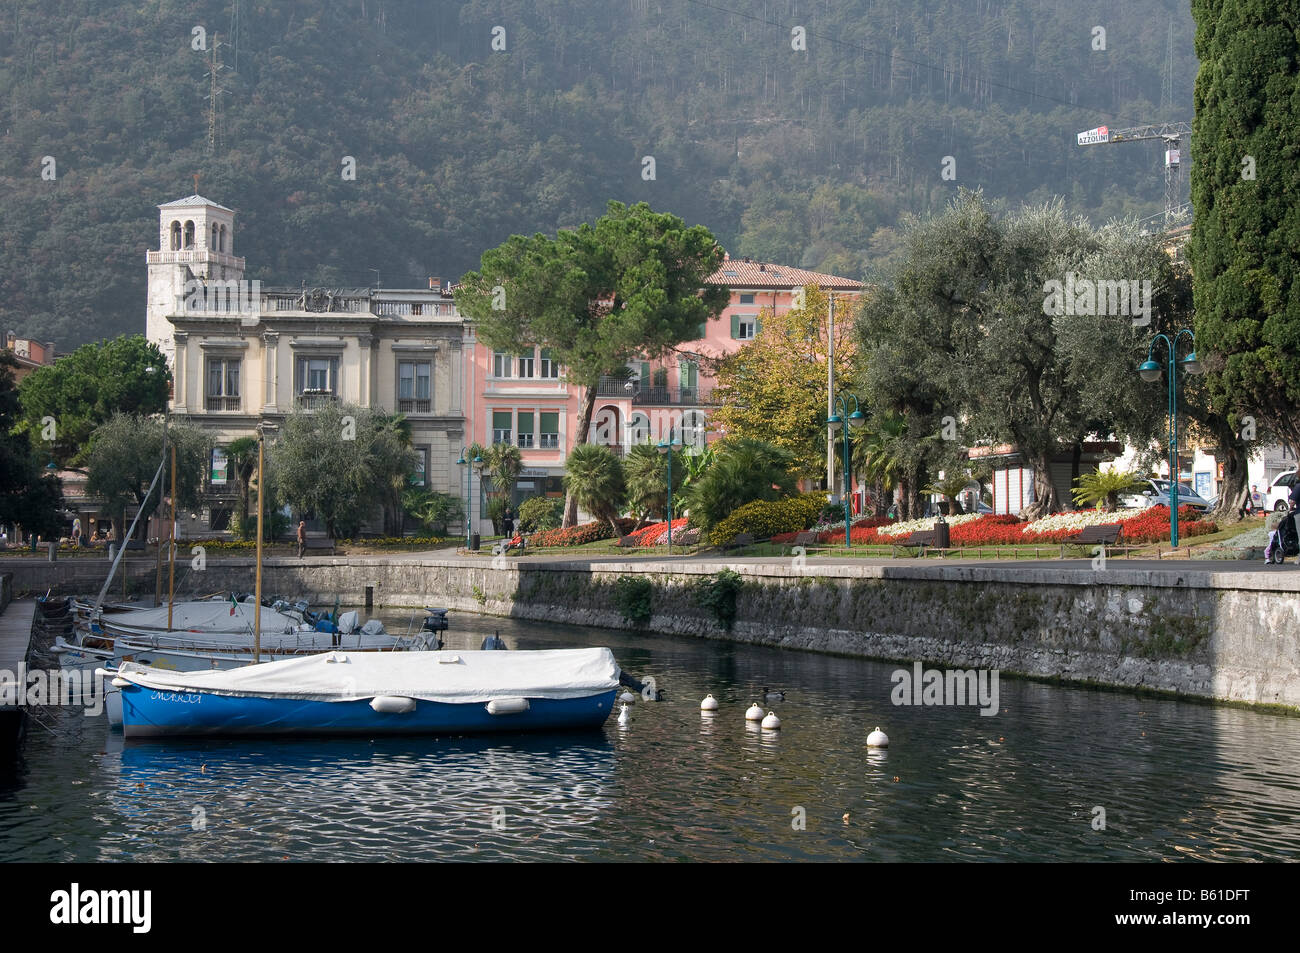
{"x": 747, "y": 273}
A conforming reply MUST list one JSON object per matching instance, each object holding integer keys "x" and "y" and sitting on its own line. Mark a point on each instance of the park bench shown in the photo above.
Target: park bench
{"x": 318, "y": 544}
{"x": 628, "y": 542}
{"x": 922, "y": 538}
{"x": 134, "y": 545}
{"x": 739, "y": 540}
{"x": 1107, "y": 534}
{"x": 807, "y": 538}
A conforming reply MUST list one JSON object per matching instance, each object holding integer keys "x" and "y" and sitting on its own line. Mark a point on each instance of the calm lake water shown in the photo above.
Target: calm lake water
{"x": 1176, "y": 780}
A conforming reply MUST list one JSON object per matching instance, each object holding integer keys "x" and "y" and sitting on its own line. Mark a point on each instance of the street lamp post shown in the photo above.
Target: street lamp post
{"x": 1150, "y": 371}
{"x": 668, "y": 446}
{"x": 837, "y": 423}
{"x": 480, "y": 465}
{"x": 462, "y": 462}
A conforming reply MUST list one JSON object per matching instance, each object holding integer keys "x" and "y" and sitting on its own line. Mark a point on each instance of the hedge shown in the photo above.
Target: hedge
{"x": 764, "y": 519}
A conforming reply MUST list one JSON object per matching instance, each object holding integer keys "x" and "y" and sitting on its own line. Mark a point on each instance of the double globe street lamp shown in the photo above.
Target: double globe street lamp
{"x": 837, "y": 422}
{"x": 1150, "y": 371}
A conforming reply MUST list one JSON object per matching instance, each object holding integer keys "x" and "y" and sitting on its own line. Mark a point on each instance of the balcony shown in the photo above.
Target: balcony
{"x": 223, "y": 404}
{"x": 415, "y": 405}
{"x": 644, "y": 396}
{"x": 315, "y": 399}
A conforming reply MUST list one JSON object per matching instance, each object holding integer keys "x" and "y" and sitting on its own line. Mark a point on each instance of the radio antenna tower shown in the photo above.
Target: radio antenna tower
{"x": 1167, "y": 82}
{"x": 214, "y": 93}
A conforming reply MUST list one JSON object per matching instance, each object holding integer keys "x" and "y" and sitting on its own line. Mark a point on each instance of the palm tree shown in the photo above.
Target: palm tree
{"x": 242, "y": 454}
{"x": 392, "y": 435}
{"x": 745, "y": 470}
{"x": 594, "y": 478}
{"x": 1103, "y": 488}
{"x": 646, "y": 473}
{"x": 877, "y": 453}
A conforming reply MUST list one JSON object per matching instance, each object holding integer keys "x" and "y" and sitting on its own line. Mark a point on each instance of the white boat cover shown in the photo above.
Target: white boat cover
{"x": 452, "y": 677}
{"x": 209, "y": 616}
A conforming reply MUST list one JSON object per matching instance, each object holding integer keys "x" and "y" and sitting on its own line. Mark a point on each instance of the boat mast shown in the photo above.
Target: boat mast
{"x": 103, "y": 590}
{"x": 171, "y": 536}
{"x": 257, "y": 595}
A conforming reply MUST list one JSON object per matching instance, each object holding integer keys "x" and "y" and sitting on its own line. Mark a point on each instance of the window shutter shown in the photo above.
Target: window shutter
{"x": 704, "y": 330}
{"x": 645, "y": 374}
{"x": 758, "y": 326}
{"x": 550, "y": 422}
{"x": 735, "y": 326}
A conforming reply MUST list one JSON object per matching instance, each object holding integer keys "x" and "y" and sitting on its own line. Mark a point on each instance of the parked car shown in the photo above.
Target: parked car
{"x": 1156, "y": 492}
{"x": 1279, "y": 490}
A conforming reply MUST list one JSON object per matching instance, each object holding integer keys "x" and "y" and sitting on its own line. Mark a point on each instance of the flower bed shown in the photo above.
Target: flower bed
{"x": 970, "y": 529}
{"x": 579, "y": 535}
{"x": 657, "y": 533}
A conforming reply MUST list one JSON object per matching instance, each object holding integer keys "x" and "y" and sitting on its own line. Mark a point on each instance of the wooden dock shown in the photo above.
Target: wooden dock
{"x": 15, "y": 639}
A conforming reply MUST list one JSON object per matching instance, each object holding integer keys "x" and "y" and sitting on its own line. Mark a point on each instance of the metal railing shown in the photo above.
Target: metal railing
{"x": 652, "y": 395}
{"x": 223, "y": 403}
{"x": 314, "y": 401}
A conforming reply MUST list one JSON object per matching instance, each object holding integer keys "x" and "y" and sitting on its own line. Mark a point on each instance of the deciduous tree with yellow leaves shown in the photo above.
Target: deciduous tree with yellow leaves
{"x": 774, "y": 388}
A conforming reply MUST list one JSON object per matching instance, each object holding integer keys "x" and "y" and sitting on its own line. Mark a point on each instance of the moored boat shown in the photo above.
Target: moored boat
{"x": 376, "y": 693}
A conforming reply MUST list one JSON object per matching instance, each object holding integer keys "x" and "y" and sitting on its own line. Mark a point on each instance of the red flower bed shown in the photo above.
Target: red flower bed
{"x": 1152, "y": 525}
{"x": 578, "y": 535}
{"x": 987, "y": 531}
{"x": 647, "y": 534}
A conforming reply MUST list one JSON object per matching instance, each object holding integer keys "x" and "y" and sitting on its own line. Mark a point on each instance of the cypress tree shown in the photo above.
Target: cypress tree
{"x": 1245, "y": 243}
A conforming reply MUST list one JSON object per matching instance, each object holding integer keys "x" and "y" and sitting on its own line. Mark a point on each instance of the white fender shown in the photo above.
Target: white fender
{"x": 507, "y": 706}
{"x": 392, "y": 704}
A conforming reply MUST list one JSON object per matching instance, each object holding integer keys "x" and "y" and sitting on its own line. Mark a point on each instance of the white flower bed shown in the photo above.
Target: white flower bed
{"x": 1077, "y": 520}
{"x": 923, "y": 525}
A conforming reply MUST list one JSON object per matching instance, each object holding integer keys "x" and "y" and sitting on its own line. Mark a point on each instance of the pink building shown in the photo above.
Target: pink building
{"x": 524, "y": 398}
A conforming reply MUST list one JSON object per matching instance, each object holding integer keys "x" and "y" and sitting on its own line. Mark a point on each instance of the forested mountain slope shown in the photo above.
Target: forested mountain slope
{"x": 804, "y": 156}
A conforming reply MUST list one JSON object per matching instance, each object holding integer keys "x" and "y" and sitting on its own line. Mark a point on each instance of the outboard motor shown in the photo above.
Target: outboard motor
{"x": 435, "y": 621}
{"x": 493, "y": 642}
{"x": 638, "y": 686}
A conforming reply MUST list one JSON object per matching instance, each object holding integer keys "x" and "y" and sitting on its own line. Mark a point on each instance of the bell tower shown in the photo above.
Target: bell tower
{"x": 196, "y": 239}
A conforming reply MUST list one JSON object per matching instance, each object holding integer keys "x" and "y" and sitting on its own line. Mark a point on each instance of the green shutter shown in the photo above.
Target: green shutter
{"x": 735, "y": 326}
{"x": 501, "y": 419}
{"x": 525, "y": 421}
{"x": 758, "y": 326}
{"x": 645, "y": 374}
{"x": 550, "y": 422}
{"x": 704, "y": 330}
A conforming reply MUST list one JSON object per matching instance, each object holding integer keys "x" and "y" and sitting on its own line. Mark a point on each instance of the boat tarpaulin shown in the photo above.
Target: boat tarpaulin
{"x": 208, "y": 615}
{"x": 451, "y": 677}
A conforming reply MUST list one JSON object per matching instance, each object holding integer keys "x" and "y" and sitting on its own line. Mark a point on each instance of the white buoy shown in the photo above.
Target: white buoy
{"x": 771, "y": 722}
{"x": 877, "y": 739}
{"x": 754, "y": 713}
{"x": 709, "y": 704}
{"x": 623, "y": 716}
{"x": 627, "y": 698}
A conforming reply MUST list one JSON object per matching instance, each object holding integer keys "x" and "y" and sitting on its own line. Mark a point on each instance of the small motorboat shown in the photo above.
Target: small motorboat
{"x": 342, "y": 693}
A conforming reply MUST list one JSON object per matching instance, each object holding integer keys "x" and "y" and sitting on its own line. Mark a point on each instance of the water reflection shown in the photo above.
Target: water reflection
{"x": 338, "y": 799}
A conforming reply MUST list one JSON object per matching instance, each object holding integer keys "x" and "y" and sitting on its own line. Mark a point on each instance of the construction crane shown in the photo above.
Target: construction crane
{"x": 1172, "y": 134}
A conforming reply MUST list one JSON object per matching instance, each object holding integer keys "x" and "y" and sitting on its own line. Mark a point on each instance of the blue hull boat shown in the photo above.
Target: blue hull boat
{"x": 147, "y": 713}
{"x": 356, "y": 693}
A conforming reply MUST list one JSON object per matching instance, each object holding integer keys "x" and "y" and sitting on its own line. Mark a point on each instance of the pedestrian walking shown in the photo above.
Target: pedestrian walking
{"x": 302, "y": 538}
